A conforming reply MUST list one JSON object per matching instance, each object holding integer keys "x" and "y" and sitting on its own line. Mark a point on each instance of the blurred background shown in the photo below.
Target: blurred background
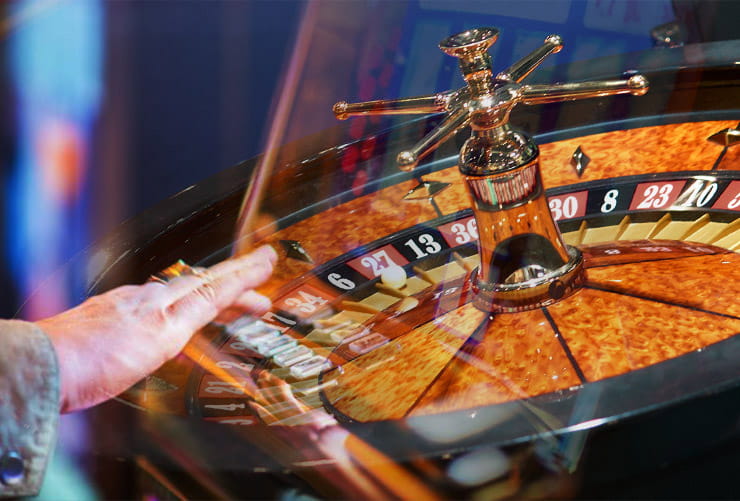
{"x": 109, "y": 107}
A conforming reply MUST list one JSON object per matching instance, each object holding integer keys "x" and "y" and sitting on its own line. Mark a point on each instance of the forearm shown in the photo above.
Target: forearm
{"x": 29, "y": 406}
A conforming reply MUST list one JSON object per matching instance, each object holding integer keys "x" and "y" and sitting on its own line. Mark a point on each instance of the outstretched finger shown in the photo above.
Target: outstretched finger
{"x": 248, "y": 303}
{"x": 252, "y": 302}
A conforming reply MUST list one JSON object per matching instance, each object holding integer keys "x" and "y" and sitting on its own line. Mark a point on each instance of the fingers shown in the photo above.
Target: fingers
{"x": 249, "y": 303}
{"x": 253, "y": 302}
{"x": 197, "y": 299}
{"x": 264, "y": 252}
{"x": 185, "y": 284}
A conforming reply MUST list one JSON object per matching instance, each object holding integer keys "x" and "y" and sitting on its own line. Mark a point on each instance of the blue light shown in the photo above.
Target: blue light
{"x": 57, "y": 68}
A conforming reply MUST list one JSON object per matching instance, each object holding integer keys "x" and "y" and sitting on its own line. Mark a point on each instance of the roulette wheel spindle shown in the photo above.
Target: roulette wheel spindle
{"x": 525, "y": 263}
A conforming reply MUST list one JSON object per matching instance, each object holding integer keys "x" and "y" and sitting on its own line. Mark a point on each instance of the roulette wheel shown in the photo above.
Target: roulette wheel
{"x": 511, "y": 321}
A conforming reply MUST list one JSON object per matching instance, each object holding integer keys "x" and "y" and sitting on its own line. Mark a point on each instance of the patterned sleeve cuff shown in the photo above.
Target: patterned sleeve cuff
{"x": 29, "y": 406}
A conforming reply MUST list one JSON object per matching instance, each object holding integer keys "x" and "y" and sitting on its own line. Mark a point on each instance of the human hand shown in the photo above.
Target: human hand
{"x": 111, "y": 341}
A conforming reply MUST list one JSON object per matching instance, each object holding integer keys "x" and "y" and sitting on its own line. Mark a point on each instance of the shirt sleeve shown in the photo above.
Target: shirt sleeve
{"x": 29, "y": 406}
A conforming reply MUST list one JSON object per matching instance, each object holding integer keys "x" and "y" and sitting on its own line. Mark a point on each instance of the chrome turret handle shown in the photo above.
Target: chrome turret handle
{"x": 524, "y": 261}
{"x": 485, "y": 103}
{"x": 637, "y": 85}
{"x": 522, "y": 68}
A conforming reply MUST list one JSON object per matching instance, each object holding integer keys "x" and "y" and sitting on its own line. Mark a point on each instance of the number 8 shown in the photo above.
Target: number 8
{"x": 610, "y": 201}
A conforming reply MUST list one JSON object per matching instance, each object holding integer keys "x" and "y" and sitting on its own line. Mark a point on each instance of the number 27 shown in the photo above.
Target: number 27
{"x": 377, "y": 262}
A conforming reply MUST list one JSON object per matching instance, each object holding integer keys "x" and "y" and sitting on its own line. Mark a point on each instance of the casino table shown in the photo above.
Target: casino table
{"x": 376, "y": 374}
